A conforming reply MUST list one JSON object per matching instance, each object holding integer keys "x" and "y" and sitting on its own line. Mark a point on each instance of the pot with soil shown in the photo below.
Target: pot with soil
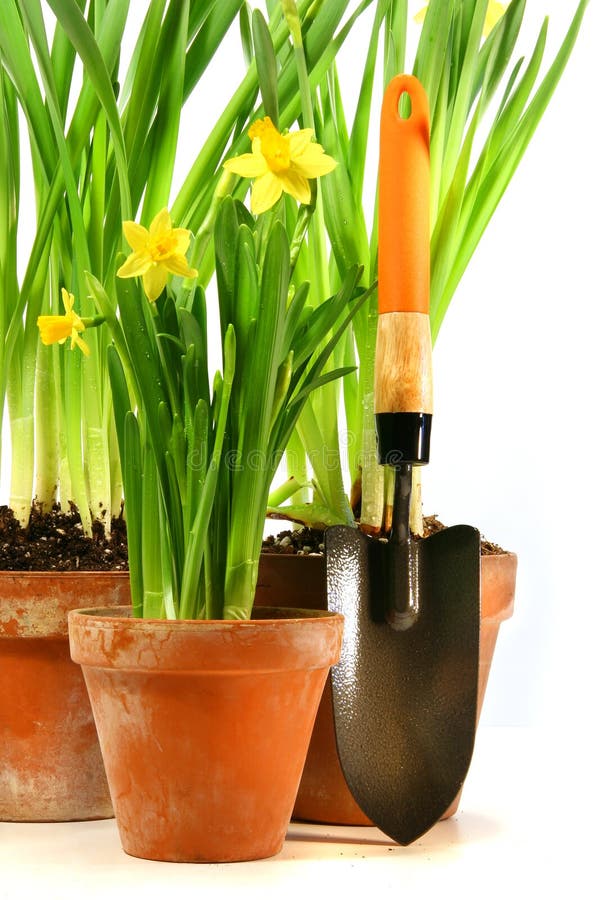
{"x": 293, "y": 567}
{"x": 204, "y": 726}
{"x": 204, "y": 710}
{"x": 50, "y": 763}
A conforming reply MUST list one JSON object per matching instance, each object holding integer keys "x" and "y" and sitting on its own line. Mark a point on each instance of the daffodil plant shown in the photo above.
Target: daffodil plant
{"x": 198, "y": 462}
{"x": 479, "y": 97}
{"x": 103, "y": 152}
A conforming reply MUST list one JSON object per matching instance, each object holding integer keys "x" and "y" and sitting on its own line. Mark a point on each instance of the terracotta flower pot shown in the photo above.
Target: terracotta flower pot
{"x": 323, "y": 795}
{"x": 50, "y": 764}
{"x": 204, "y": 726}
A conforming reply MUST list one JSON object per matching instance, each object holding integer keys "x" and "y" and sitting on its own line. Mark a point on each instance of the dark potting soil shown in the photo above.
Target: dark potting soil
{"x": 54, "y": 541}
{"x": 309, "y": 542}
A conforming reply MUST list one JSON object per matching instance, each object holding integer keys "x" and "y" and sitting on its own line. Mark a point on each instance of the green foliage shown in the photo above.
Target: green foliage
{"x": 198, "y": 464}
{"x": 465, "y": 76}
{"x": 103, "y": 151}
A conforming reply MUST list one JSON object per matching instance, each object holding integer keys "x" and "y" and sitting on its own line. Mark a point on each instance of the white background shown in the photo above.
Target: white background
{"x": 516, "y": 446}
{"x": 517, "y": 376}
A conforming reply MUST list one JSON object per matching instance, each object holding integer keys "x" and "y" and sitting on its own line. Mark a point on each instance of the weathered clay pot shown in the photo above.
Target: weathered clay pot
{"x": 323, "y": 795}
{"x": 204, "y": 726}
{"x": 50, "y": 764}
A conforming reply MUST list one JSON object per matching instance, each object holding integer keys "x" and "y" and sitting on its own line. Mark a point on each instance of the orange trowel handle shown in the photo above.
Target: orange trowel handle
{"x": 403, "y": 383}
{"x": 404, "y": 200}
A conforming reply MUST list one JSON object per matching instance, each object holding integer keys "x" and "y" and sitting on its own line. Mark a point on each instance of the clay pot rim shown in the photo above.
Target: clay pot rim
{"x": 286, "y": 640}
{"x": 498, "y": 596}
{"x": 36, "y": 608}
{"x": 124, "y": 615}
{"x": 45, "y": 574}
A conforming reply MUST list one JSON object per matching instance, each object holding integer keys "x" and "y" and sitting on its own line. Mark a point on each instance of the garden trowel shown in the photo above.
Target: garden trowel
{"x": 405, "y": 689}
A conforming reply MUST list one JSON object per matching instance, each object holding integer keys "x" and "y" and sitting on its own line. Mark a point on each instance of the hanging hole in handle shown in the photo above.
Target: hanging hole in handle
{"x": 405, "y": 105}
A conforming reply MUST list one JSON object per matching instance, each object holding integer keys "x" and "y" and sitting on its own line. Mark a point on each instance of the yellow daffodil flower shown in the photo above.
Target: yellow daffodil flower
{"x": 56, "y": 329}
{"x": 495, "y": 11}
{"x": 156, "y": 252}
{"x": 278, "y": 163}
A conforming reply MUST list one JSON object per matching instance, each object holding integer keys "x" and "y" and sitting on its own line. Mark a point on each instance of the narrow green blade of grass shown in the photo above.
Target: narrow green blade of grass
{"x": 63, "y": 63}
{"x": 266, "y": 65}
{"x": 132, "y": 478}
{"x": 16, "y": 58}
{"x": 362, "y": 117}
{"x": 245, "y": 20}
{"x": 190, "y": 586}
{"x": 501, "y": 42}
{"x": 462, "y": 101}
{"x": 395, "y": 40}
{"x": 197, "y": 461}
{"x": 151, "y": 538}
{"x": 432, "y": 50}
{"x": 78, "y": 31}
{"x": 166, "y": 125}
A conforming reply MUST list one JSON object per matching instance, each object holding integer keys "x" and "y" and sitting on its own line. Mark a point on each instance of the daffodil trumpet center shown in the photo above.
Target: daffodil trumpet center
{"x": 275, "y": 147}
{"x": 163, "y": 248}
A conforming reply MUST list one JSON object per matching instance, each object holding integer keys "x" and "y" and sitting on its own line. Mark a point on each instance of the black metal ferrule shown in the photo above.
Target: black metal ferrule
{"x": 403, "y": 438}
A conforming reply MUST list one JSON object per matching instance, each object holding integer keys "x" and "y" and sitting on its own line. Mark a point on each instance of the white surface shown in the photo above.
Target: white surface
{"x": 527, "y": 822}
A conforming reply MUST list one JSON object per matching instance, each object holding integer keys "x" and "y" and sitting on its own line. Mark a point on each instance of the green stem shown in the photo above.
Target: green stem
{"x": 116, "y": 475}
{"x": 97, "y": 469}
{"x": 64, "y": 475}
{"x": 295, "y": 454}
{"x": 46, "y": 429}
{"x": 240, "y": 587}
{"x": 203, "y": 238}
{"x": 73, "y": 412}
{"x": 151, "y": 549}
{"x": 285, "y": 491}
{"x": 317, "y": 225}
{"x": 21, "y": 481}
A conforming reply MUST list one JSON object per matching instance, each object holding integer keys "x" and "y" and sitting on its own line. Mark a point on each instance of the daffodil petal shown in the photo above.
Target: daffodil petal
{"x": 67, "y": 299}
{"x": 178, "y": 265}
{"x": 76, "y": 340}
{"x": 248, "y": 165}
{"x": 295, "y": 184}
{"x": 136, "y": 264}
{"x": 420, "y": 16}
{"x": 266, "y": 191}
{"x": 182, "y": 237}
{"x": 76, "y": 322}
{"x": 160, "y": 223}
{"x": 154, "y": 280}
{"x": 299, "y": 140}
{"x": 136, "y": 235}
{"x": 313, "y": 162}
